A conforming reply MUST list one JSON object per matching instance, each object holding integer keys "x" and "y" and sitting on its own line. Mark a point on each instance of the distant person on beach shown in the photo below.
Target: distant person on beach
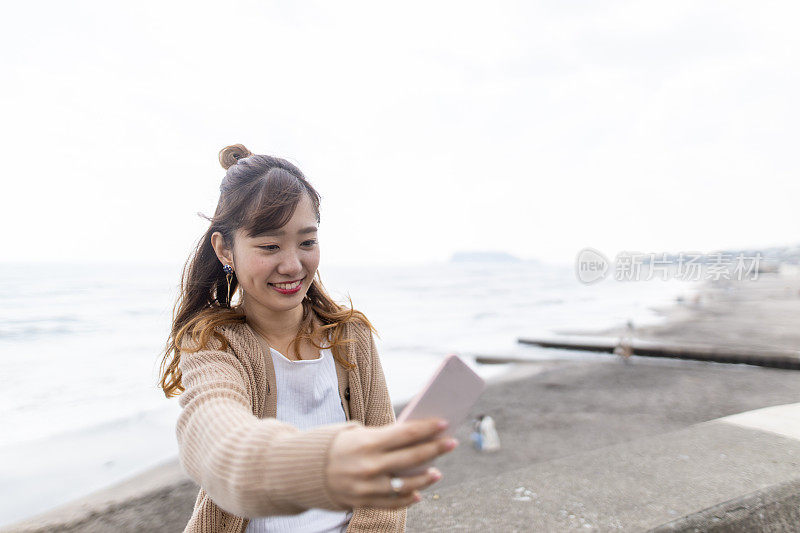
{"x": 286, "y": 422}
{"x": 624, "y": 346}
{"x": 475, "y": 435}
{"x": 484, "y": 435}
{"x": 490, "y": 440}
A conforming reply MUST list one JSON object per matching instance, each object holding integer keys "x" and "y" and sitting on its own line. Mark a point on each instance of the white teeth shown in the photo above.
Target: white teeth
{"x": 288, "y": 285}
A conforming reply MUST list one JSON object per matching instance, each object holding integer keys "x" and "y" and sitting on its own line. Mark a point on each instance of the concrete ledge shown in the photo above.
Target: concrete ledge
{"x": 773, "y": 509}
{"x": 779, "y": 419}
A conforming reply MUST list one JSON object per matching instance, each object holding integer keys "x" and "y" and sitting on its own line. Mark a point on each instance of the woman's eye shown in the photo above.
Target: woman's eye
{"x": 272, "y": 247}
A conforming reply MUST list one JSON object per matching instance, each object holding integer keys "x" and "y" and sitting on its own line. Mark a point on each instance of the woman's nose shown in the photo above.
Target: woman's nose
{"x": 290, "y": 264}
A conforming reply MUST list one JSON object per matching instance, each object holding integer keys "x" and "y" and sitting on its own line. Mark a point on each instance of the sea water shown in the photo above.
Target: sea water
{"x": 80, "y": 350}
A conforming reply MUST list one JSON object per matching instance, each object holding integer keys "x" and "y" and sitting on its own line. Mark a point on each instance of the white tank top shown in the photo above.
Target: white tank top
{"x": 308, "y": 396}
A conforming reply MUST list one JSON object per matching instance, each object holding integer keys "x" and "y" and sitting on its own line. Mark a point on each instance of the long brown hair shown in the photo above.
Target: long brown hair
{"x": 258, "y": 193}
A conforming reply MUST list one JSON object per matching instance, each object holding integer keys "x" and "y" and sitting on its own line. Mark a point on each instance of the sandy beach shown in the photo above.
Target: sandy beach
{"x": 544, "y": 412}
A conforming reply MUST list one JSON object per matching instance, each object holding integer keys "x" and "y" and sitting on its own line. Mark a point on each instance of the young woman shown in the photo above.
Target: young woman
{"x": 286, "y": 423}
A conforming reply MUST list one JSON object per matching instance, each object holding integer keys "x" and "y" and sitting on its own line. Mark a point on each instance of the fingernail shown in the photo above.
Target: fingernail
{"x": 435, "y": 474}
{"x": 417, "y": 497}
{"x": 452, "y": 443}
{"x": 442, "y": 424}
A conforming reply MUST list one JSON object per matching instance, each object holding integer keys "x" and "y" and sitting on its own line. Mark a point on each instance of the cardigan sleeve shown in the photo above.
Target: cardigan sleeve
{"x": 248, "y": 466}
{"x": 378, "y": 411}
{"x": 378, "y": 406}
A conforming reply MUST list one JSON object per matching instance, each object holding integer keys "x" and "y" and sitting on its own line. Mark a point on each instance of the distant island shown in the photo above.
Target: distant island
{"x": 460, "y": 257}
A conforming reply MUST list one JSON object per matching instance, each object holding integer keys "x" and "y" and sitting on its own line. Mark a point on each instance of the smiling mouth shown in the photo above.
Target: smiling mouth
{"x": 288, "y": 286}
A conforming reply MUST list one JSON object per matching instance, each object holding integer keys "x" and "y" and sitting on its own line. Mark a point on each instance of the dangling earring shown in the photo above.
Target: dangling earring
{"x": 229, "y": 276}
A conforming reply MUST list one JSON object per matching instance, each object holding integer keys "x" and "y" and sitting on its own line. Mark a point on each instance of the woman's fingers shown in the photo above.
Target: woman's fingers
{"x": 380, "y": 486}
{"x": 402, "y": 434}
{"x": 411, "y": 487}
{"x": 362, "y": 461}
{"x": 411, "y": 456}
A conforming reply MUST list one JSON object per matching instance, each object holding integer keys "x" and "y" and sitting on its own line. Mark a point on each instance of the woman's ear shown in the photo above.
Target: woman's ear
{"x": 224, "y": 254}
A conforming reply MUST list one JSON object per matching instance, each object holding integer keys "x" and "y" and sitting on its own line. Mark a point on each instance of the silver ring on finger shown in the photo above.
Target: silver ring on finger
{"x": 397, "y": 484}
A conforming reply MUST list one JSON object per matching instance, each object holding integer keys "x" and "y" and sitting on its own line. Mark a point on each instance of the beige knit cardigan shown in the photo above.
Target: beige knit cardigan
{"x": 249, "y": 464}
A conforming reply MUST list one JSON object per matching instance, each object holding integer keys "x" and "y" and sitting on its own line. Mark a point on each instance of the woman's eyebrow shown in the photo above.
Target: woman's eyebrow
{"x": 309, "y": 229}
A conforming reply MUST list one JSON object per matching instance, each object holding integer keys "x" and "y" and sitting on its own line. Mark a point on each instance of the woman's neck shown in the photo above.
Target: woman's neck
{"x": 279, "y": 329}
{"x": 275, "y": 326}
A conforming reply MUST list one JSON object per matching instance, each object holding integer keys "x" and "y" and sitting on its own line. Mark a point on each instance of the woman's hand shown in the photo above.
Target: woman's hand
{"x": 362, "y": 461}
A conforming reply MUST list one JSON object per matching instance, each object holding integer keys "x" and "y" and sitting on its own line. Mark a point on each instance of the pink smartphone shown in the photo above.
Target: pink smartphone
{"x": 450, "y": 394}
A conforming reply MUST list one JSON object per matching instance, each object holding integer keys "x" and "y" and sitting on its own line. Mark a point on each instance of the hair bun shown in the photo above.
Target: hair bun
{"x": 229, "y": 155}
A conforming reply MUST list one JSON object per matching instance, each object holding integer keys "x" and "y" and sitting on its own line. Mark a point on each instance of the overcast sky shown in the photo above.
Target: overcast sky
{"x": 536, "y": 128}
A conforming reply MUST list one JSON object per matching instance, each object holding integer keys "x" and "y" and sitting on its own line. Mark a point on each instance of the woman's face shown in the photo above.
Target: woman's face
{"x": 275, "y": 270}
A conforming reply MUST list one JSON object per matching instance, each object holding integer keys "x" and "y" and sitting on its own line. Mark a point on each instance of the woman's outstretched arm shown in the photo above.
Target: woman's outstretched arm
{"x": 248, "y": 466}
